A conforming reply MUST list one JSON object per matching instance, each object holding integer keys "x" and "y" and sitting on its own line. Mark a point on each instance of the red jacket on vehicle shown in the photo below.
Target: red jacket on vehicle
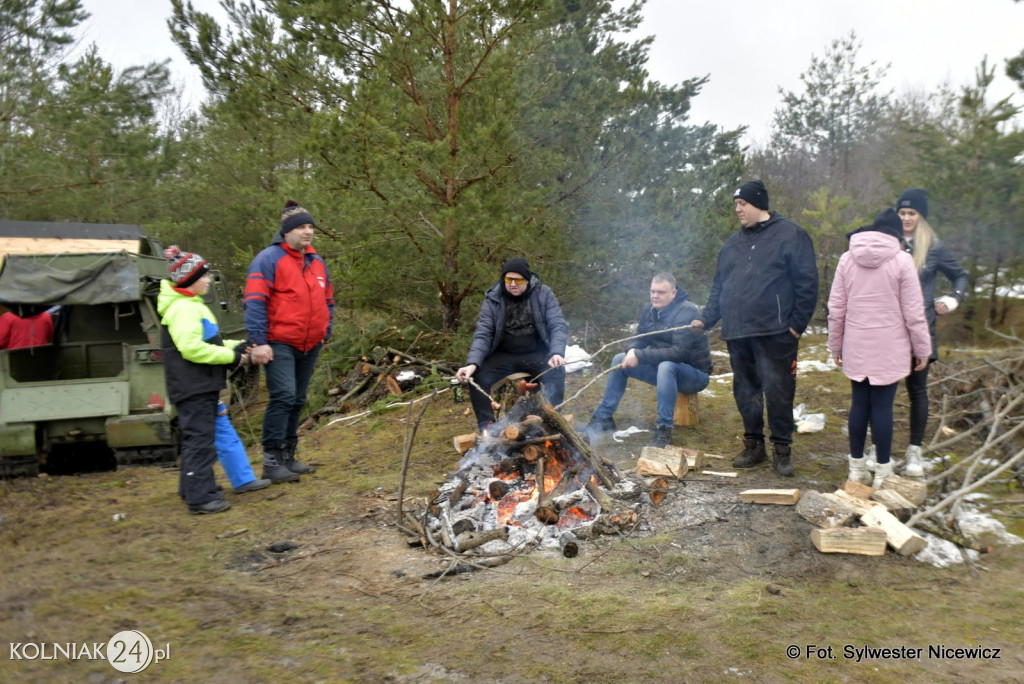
{"x": 289, "y": 297}
{"x": 31, "y": 331}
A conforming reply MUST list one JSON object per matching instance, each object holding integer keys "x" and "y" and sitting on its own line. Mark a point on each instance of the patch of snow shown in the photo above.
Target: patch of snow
{"x": 942, "y": 553}
{"x": 576, "y": 359}
{"x": 407, "y": 375}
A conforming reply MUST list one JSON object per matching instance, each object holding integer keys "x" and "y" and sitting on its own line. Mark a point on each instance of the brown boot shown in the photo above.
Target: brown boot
{"x": 752, "y": 454}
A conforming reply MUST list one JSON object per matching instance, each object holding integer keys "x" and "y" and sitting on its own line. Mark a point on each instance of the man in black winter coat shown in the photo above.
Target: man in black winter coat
{"x": 765, "y": 290}
{"x": 520, "y": 329}
{"x": 675, "y": 361}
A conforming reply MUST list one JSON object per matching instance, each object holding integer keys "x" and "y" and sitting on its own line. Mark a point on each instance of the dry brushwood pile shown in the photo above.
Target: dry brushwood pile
{"x": 981, "y": 419}
{"x": 386, "y": 372}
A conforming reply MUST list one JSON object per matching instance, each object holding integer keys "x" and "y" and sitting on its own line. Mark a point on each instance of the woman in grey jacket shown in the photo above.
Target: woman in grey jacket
{"x": 931, "y": 257}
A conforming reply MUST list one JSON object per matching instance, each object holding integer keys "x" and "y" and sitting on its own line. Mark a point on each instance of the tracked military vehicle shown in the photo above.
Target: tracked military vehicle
{"x": 95, "y": 395}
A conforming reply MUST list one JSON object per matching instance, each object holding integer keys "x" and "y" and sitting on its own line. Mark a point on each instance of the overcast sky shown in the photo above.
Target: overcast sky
{"x": 749, "y": 48}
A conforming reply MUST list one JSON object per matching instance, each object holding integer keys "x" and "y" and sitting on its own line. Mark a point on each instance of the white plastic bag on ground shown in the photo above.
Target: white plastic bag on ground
{"x": 808, "y": 422}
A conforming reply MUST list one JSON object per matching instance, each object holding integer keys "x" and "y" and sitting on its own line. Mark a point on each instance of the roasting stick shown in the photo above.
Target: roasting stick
{"x": 688, "y": 326}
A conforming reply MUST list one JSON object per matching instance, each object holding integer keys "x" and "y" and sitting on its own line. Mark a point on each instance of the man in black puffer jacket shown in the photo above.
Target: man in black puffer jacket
{"x": 677, "y": 361}
{"x": 520, "y": 329}
{"x": 765, "y": 290}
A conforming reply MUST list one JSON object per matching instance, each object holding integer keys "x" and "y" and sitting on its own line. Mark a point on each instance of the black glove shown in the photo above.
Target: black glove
{"x": 241, "y": 346}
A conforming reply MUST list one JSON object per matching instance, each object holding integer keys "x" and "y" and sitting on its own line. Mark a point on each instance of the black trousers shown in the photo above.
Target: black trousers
{"x": 498, "y": 365}
{"x": 764, "y": 376}
{"x": 917, "y": 390}
{"x": 197, "y": 419}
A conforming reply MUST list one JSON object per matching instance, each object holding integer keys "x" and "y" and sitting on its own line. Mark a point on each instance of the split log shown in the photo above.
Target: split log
{"x": 904, "y": 540}
{"x": 782, "y": 497}
{"x": 552, "y": 417}
{"x": 687, "y": 410}
{"x": 895, "y": 503}
{"x": 824, "y": 510}
{"x": 662, "y": 462}
{"x": 857, "y": 504}
{"x": 392, "y": 385}
{"x": 720, "y": 473}
{"x": 694, "y": 459}
{"x": 913, "y": 491}
{"x": 858, "y": 489}
{"x": 865, "y": 541}
{"x": 464, "y": 443}
{"x": 471, "y": 540}
{"x": 544, "y": 512}
{"x": 569, "y": 544}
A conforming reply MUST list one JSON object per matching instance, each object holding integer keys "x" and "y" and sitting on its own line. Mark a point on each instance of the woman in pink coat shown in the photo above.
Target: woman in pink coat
{"x": 875, "y": 322}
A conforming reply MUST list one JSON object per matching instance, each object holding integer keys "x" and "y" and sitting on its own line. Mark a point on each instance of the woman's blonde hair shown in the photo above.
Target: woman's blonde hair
{"x": 923, "y": 237}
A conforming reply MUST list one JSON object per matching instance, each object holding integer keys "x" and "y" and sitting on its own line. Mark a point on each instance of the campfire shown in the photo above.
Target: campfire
{"x": 530, "y": 481}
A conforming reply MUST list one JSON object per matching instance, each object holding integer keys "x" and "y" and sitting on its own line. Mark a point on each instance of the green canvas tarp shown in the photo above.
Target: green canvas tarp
{"x": 67, "y": 279}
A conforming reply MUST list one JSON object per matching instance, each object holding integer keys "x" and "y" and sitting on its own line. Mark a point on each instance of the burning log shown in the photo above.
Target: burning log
{"x": 658, "y": 490}
{"x": 497, "y": 489}
{"x": 568, "y": 475}
{"x": 471, "y": 540}
{"x": 552, "y": 417}
{"x": 457, "y": 493}
{"x": 545, "y": 512}
{"x": 462, "y": 526}
{"x": 530, "y": 425}
{"x": 512, "y": 464}
{"x": 513, "y": 443}
{"x": 560, "y": 503}
{"x": 569, "y": 544}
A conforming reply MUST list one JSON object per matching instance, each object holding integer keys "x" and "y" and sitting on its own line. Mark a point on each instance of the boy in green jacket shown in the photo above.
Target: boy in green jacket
{"x": 196, "y": 362}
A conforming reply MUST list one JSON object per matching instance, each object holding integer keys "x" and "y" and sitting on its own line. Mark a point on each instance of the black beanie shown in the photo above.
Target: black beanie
{"x": 916, "y": 199}
{"x": 754, "y": 193}
{"x": 517, "y": 265}
{"x": 293, "y": 216}
{"x": 887, "y": 221}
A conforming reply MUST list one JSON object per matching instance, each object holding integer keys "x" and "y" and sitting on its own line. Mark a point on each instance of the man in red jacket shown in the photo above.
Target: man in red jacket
{"x": 289, "y": 304}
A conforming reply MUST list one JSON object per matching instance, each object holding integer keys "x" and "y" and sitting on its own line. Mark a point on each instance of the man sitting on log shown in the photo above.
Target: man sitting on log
{"x": 676, "y": 361}
{"x": 520, "y": 329}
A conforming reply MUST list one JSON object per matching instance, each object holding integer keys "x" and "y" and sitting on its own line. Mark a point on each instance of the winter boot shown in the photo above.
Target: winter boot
{"x": 598, "y": 426}
{"x": 251, "y": 486}
{"x": 662, "y": 436}
{"x": 780, "y": 459}
{"x": 882, "y": 471}
{"x": 915, "y": 466}
{"x": 291, "y": 463}
{"x": 858, "y": 470}
{"x": 871, "y": 458}
{"x": 215, "y": 506}
{"x": 274, "y": 468}
{"x": 752, "y": 454}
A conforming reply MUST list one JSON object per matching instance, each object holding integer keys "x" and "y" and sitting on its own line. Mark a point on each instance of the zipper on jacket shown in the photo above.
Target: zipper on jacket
{"x": 778, "y": 305}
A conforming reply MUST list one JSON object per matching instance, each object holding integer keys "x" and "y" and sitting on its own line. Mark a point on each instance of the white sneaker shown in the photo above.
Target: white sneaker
{"x": 915, "y": 466}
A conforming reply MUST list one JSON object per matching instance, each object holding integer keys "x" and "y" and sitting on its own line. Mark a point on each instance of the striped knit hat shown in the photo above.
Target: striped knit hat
{"x": 293, "y": 216}
{"x": 185, "y": 267}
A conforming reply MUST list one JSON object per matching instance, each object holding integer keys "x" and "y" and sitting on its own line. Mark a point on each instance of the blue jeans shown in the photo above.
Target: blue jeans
{"x": 669, "y": 377}
{"x": 287, "y": 381}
